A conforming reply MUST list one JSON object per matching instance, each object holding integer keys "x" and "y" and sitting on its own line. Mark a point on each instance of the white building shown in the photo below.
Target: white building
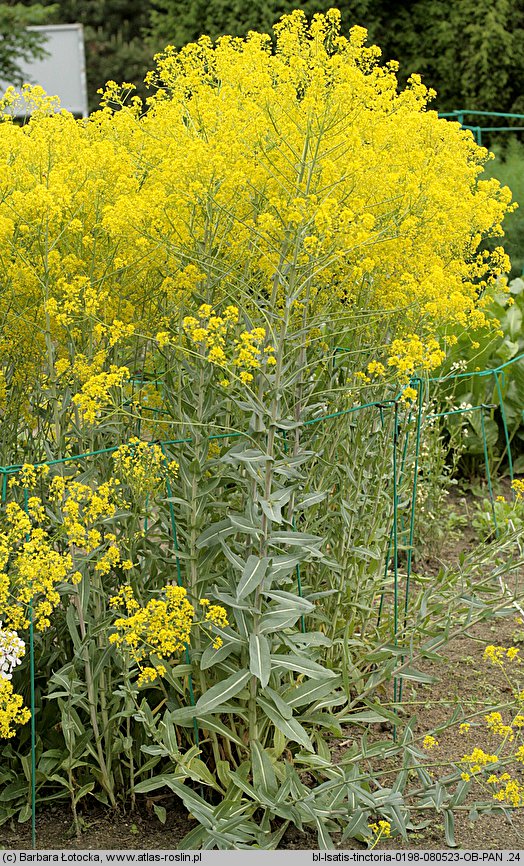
{"x": 62, "y": 72}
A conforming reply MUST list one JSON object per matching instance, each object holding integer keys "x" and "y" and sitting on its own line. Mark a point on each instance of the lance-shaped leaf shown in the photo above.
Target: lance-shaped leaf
{"x": 310, "y": 499}
{"x": 311, "y": 691}
{"x": 161, "y": 781}
{"x": 289, "y": 600}
{"x": 302, "y": 665}
{"x": 279, "y": 702}
{"x": 291, "y": 729}
{"x": 260, "y": 658}
{"x": 215, "y": 533}
{"x": 282, "y": 565}
{"x": 244, "y": 524}
{"x": 278, "y": 619}
{"x": 252, "y": 575}
{"x": 222, "y": 692}
{"x": 263, "y": 772}
{"x": 304, "y": 539}
{"x": 212, "y": 656}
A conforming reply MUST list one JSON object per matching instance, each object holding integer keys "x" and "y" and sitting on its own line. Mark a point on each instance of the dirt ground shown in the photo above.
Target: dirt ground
{"x": 462, "y": 679}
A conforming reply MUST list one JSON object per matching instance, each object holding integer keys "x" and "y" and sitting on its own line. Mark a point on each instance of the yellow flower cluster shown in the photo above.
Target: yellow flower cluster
{"x": 429, "y": 742}
{"x": 510, "y": 790}
{"x": 96, "y": 392}
{"x": 248, "y": 353}
{"x": 478, "y": 760}
{"x": 142, "y": 465}
{"x": 12, "y": 711}
{"x": 497, "y": 655}
{"x": 162, "y": 626}
{"x": 496, "y": 726}
{"x": 209, "y": 331}
{"x": 381, "y": 828}
{"x": 111, "y": 556}
{"x": 36, "y": 567}
{"x": 29, "y": 475}
{"x": 150, "y": 674}
{"x": 82, "y": 507}
{"x": 215, "y": 615}
{"x": 244, "y": 190}
{"x": 410, "y": 354}
{"x": 211, "y": 334}
{"x": 517, "y": 485}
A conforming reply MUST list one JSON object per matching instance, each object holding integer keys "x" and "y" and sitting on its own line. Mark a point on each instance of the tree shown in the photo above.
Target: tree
{"x": 179, "y": 22}
{"x": 470, "y": 52}
{"x": 114, "y": 42}
{"x": 17, "y": 43}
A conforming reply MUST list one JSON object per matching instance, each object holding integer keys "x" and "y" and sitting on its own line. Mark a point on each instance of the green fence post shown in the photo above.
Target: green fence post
{"x": 488, "y": 473}
{"x": 395, "y": 540}
{"x": 33, "y": 708}
{"x": 504, "y": 424}
{"x": 179, "y": 583}
{"x": 413, "y": 509}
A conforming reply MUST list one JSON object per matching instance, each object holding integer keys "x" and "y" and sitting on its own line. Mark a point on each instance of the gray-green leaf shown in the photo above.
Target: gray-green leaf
{"x": 260, "y": 658}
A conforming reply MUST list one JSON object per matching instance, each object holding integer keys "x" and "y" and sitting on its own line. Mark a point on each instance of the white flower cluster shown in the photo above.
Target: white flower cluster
{"x": 12, "y": 650}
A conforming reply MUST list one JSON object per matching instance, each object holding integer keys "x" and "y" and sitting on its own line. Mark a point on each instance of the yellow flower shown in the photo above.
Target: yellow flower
{"x": 12, "y": 711}
{"x": 408, "y": 395}
{"x": 149, "y": 674}
{"x": 495, "y": 654}
{"x": 216, "y": 615}
{"x": 429, "y": 742}
{"x": 478, "y": 759}
{"x": 496, "y": 726}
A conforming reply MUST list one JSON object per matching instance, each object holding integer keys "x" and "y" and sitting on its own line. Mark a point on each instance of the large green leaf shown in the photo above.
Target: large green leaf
{"x": 161, "y": 781}
{"x": 302, "y": 665}
{"x": 291, "y": 729}
{"x": 260, "y": 658}
{"x": 252, "y": 575}
{"x": 311, "y": 691}
{"x": 221, "y": 692}
{"x": 215, "y": 533}
{"x": 212, "y": 656}
{"x": 263, "y": 772}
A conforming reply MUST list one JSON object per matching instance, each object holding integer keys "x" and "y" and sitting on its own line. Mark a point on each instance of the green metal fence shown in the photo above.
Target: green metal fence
{"x": 478, "y": 131}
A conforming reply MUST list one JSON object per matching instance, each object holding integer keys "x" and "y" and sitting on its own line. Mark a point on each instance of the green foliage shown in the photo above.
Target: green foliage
{"x": 184, "y": 22}
{"x": 488, "y": 350}
{"x": 470, "y": 52}
{"x": 288, "y": 528}
{"x": 17, "y": 43}
{"x": 508, "y": 168}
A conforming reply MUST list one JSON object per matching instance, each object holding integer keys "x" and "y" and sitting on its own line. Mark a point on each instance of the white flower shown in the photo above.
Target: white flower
{"x": 12, "y": 650}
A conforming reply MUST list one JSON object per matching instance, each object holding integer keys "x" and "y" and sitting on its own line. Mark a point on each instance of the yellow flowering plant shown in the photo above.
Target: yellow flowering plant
{"x": 211, "y": 287}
